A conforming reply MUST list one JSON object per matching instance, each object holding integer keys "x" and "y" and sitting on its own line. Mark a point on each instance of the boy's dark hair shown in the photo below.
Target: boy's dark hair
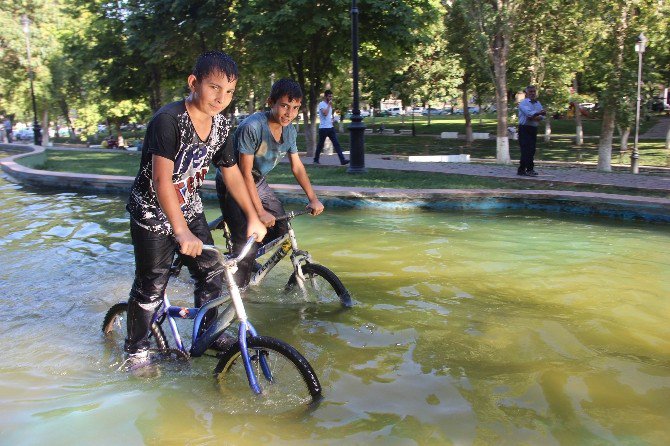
{"x": 215, "y": 61}
{"x": 285, "y": 87}
{"x": 327, "y": 92}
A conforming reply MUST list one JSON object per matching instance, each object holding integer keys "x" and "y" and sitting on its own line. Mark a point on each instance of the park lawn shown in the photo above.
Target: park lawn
{"x": 486, "y": 122}
{"x": 117, "y": 162}
{"x": 559, "y": 148}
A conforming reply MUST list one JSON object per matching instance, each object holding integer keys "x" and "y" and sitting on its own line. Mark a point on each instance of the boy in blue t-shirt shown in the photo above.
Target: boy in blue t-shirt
{"x": 260, "y": 142}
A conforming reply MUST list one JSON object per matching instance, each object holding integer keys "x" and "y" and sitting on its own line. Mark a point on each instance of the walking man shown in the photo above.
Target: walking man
{"x": 326, "y": 129}
{"x": 530, "y": 115}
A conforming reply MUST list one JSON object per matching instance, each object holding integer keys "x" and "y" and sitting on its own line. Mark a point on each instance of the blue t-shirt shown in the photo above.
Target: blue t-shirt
{"x": 253, "y": 137}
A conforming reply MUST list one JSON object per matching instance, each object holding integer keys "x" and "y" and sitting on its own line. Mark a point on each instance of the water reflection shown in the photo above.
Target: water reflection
{"x": 468, "y": 328}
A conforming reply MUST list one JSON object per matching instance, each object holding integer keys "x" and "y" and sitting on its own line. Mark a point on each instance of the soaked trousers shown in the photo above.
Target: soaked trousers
{"x": 527, "y": 144}
{"x": 237, "y": 224}
{"x": 154, "y": 254}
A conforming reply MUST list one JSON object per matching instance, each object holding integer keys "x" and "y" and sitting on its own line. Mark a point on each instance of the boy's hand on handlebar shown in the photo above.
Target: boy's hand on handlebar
{"x": 256, "y": 227}
{"x": 267, "y": 219}
{"x": 315, "y": 207}
{"x": 189, "y": 244}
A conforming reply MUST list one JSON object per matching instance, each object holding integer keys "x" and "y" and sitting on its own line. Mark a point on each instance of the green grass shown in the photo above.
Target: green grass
{"x": 559, "y": 148}
{"x": 127, "y": 163}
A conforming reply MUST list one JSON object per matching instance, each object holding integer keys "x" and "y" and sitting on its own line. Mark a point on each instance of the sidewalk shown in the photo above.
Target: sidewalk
{"x": 554, "y": 172}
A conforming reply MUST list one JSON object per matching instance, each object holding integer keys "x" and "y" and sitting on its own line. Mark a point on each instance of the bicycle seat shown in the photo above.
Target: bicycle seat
{"x": 217, "y": 224}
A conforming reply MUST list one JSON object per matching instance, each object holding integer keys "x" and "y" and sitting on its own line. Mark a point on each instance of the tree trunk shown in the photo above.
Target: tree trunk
{"x": 155, "y": 99}
{"x": 667, "y": 139}
{"x": 45, "y": 127}
{"x": 625, "y": 134}
{"x": 547, "y": 129}
{"x": 613, "y": 88}
{"x": 579, "y": 132}
{"x": 499, "y": 58}
{"x": 466, "y": 112}
{"x": 605, "y": 143}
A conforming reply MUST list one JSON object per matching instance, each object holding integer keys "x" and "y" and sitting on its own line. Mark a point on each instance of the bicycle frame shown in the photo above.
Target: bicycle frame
{"x": 201, "y": 342}
{"x": 286, "y": 243}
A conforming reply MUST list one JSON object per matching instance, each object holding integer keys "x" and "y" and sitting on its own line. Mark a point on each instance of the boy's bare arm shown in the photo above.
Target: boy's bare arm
{"x": 300, "y": 174}
{"x": 238, "y": 189}
{"x": 246, "y": 162}
{"x": 161, "y": 175}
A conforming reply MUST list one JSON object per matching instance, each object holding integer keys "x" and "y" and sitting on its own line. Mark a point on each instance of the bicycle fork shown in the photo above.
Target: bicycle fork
{"x": 245, "y": 326}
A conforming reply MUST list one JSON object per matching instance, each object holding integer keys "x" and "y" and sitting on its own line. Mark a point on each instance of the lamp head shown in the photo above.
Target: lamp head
{"x": 25, "y": 23}
{"x": 641, "y": 43}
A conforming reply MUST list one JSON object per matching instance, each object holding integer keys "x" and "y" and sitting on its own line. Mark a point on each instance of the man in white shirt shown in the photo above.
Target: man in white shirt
{"x": 326, "y": 129}
{"x": 530, "y": 114}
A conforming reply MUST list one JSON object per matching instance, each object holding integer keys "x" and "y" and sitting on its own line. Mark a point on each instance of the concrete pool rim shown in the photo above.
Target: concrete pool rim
{"x": 651, "y": 209}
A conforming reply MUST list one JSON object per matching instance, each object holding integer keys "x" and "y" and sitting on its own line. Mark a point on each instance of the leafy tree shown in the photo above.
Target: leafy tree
{"x": 320, "y": 49}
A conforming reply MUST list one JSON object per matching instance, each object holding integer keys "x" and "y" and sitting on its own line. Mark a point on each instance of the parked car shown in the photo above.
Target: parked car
{"x": 24, "y": 135}
{"x": 364, "y": 114}
{"x": 395, "y": 111}
{"x": 433, "y": 111}
{"x": 415, "y": 111}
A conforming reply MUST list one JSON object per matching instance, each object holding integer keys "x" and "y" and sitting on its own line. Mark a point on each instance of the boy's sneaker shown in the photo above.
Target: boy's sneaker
{"x": 139, "y": 364}
{"x": 223, "y": 342}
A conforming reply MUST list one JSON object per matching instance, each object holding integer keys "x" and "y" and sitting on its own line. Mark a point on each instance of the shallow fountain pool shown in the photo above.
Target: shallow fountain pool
{"x": 469, "y": 327}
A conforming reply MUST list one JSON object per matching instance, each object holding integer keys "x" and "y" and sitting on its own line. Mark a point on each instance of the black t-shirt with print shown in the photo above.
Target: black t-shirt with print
{"x": 171, "y": 135}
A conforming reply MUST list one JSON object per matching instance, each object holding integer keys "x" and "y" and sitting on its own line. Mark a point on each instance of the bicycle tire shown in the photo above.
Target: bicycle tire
{"x": 294, "y": 380}
{"x": 321, "y": 283}
{"x": 115, "y": 329}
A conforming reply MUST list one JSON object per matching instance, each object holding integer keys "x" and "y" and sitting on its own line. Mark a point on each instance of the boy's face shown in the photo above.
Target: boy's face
{"x": 285, "y": 111}
{"x": 213, "y": 93}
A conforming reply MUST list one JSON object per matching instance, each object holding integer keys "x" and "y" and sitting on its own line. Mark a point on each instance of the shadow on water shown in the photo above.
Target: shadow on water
{"x": 469, "y": 327}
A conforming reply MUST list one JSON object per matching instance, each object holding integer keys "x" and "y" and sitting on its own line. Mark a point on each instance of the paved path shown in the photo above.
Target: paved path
{"x": 659, "y": 130}
{"x": 564, "y": 173}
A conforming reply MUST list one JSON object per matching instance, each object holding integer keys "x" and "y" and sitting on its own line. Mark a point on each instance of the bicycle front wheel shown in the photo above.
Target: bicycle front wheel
{"x": 114, "y": 327}
{"x": 289, "y": 380}
{"x": 321, "y": 285}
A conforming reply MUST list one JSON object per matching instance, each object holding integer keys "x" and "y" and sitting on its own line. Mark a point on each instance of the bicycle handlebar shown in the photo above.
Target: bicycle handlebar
{"x": 293, "y": 214}
{"x": 243, "y": 253}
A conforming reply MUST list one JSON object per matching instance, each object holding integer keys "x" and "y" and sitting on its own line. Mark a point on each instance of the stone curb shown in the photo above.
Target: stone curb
{"x": 612, "y": 205}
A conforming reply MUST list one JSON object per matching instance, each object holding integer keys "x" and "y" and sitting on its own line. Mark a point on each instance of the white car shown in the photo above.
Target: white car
{"x": 395, "y": 111}
{"x": 24, "y": 135}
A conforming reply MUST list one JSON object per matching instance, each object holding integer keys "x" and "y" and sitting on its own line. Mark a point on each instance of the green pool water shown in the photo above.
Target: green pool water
{"x": 506, "y": 327}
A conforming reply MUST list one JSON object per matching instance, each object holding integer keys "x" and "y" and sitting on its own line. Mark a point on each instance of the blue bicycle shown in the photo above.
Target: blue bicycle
{"x": 270, "y": 366}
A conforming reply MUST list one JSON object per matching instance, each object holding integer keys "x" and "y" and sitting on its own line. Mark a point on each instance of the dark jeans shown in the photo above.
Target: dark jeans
{"x": 153, "y": 257}
{"x": 328, "y": 133}
{"x": 527, "y": 144}
{"x": 237, "y": 224}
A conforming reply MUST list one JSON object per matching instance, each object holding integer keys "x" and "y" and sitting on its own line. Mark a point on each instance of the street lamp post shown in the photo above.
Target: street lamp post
{"x": 412, "y": 111}
{"x": 640, "y": 45}
{"x": 37, "y": 134}
{"x": 356, "y": 128}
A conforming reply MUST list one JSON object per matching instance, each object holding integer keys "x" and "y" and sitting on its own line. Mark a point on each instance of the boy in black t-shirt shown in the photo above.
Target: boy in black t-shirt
{"x": 165, "y": 209}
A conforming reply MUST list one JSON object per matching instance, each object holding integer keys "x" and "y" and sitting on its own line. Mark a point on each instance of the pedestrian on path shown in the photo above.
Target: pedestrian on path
{"x": 530, "y": 115}
{"x": 326, "y": 129}
{"x": 7, "y": 126}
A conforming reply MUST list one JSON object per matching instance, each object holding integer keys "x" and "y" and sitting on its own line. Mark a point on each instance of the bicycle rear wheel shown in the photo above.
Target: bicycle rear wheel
{"x": 321, "y": 285}
{"x": 292, "y": 381}
{"x": 115, "y": 329}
